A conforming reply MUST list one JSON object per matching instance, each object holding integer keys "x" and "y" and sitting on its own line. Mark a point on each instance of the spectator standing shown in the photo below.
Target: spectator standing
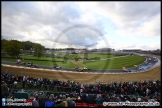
{"x": 42, "y": 99}
{"x": 49, "y": 103}
{"x": 4, "y": 89}
{"x": 24, "y": 80}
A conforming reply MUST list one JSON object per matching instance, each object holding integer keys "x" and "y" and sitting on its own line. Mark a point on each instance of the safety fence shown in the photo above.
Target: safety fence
{"x": 45, "y": 88}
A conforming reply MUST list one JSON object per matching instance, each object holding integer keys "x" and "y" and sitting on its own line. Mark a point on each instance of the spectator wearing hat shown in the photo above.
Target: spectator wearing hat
{"x": 133, "y": 99}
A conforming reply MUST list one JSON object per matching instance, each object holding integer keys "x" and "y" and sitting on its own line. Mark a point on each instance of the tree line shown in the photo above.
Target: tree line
{"x": 13, "y": 47}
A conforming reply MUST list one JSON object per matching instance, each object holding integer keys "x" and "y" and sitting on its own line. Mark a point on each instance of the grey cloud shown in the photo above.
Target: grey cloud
{"x": 30, "y": 17}
{"x": 79, "y": 36}
{"x": 129, "y": 12}
{"x": 38, "y": 13}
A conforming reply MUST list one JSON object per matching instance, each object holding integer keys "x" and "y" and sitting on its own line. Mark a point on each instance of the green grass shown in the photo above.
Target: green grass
{"x": 72, "y": 56}
{"x": 116, "y": 63}
{"x": 42, "y": 58}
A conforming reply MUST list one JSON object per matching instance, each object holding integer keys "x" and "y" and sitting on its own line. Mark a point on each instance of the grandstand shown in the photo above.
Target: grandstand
{"x": 90, "y": 94}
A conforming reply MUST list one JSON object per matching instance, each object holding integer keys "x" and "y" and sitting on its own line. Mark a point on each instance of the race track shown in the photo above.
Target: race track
{"x": 153, "y": 73}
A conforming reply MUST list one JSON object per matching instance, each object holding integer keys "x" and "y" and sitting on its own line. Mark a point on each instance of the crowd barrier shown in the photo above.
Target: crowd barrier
{"x": 47, "y": 88}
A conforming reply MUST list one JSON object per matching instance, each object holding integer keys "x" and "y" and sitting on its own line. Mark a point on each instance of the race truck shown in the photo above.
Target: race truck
{"x": 18, "y": 61}
{"x": 57, "y": 67}
{"x": 79, "y": 69}
{"x": 86, "y": 68}
{"x": 30, "y": 64}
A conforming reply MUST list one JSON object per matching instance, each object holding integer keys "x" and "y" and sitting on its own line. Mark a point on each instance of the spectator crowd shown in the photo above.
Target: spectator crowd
{"x": 85, "y": 94}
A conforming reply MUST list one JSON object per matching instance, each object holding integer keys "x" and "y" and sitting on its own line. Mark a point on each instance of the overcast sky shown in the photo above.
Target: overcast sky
{"x": 119, "y": 25}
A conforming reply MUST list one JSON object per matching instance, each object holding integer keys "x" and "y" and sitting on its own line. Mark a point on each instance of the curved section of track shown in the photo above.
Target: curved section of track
{"x": 149, "y": 64}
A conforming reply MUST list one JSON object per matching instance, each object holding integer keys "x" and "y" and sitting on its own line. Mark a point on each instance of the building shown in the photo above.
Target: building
{"x": 132, "y": 50}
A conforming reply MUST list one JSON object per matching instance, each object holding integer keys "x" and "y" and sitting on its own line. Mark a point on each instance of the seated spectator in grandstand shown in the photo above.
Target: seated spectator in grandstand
{"x": 126, "y": 97}
{"x": 52, "y": 96}
{"x": 49, "y": 102}
{"x": 62, "y": 102}
{"x": 83, "y": 98}
{"x": 70, "y": 102}
{"x": 98, "y": 100}
{"x": 107, "y": 98}
{"x": 91, "y": 100}
{"x": 15, "y": 84}
{"x": 78, "y": 99}
{"x": 21, "y": 91}
{"x": 87, "y": 96}
{"x": 144, "y": 99}
{"x": 73, "y": 97}
{"x": 118, "y": 99}
{"x": 63, "y": 98}
{"x": 133, "y": 99}
{"x": 35, "y": 102}
{"x": 66, "y": 103}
